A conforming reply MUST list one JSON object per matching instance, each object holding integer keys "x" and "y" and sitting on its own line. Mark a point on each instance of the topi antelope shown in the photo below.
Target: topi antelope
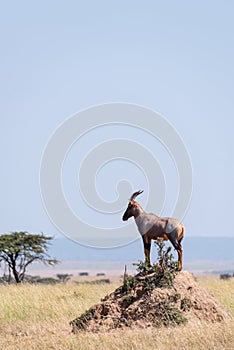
{"x": 152, "y": 226}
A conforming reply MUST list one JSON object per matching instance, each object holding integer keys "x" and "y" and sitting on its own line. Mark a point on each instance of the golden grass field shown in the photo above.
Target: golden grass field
{"x": 38, "y": 316}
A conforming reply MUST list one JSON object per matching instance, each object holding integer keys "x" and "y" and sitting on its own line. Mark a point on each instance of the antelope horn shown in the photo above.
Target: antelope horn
{"x": 135, "y": 194}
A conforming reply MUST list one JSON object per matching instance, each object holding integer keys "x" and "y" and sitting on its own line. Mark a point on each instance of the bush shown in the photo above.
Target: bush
{"x": 161, "y": 274}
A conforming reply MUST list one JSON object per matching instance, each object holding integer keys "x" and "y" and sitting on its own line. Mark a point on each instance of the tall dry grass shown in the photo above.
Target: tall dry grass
{"x": 37, "y": 317}
{"x": 222, "y": 290}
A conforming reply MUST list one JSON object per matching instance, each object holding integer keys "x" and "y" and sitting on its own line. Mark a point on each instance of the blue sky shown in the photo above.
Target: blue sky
{"x": 61, "y": 57}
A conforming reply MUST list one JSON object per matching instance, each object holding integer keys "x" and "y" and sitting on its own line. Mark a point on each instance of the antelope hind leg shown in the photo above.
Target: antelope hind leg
{"x": 180, "y": 253}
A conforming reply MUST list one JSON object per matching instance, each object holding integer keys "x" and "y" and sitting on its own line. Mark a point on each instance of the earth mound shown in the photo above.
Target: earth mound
{"x": 156, "y": 296}
{"x": 139, "y": 304}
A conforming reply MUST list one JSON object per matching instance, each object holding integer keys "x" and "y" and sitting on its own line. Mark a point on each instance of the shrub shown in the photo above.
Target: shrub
{"x": 161, "y": 274}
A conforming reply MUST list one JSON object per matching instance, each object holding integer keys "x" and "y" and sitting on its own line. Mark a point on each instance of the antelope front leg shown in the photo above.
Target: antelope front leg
{"x": 147, "y": 246}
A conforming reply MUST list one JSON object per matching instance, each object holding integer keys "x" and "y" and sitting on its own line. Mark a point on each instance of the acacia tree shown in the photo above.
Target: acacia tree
{"x": 20, "y": 249}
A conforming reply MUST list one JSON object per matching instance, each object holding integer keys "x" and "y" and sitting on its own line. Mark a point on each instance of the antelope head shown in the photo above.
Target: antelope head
{"x": 133, "y": 208}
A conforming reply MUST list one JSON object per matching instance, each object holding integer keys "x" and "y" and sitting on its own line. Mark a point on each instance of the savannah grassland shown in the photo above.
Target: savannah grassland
{"x": 38, "y": 316}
